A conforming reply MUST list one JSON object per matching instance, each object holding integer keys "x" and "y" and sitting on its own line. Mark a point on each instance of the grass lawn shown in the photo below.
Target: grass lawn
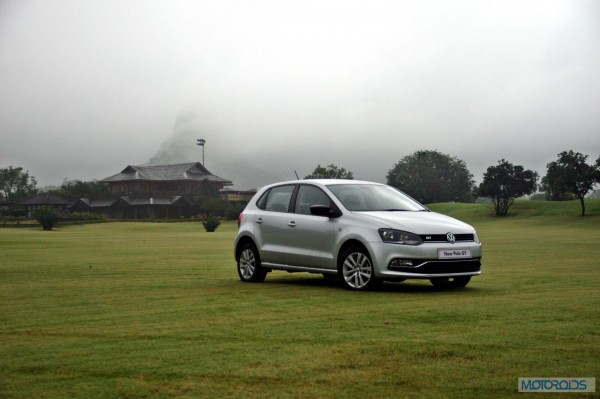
{"x": 156, "y": 310}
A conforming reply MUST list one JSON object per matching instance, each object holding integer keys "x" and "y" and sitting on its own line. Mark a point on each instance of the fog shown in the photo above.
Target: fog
{"x": 89, "y": 87}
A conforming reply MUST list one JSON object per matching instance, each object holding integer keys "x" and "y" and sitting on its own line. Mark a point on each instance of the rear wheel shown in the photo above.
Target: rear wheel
{"x": 249, "y": 268}
{"x": 450, "y": 282}
{"x": 356, "y": 269}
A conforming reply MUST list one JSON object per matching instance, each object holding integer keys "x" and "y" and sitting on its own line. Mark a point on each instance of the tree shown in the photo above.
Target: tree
{"x": 571, "y": 174}
{"x": 331, "y": 172}
{"x": 15, "y": 186}
{"x": 506, "y": 182}
{"x": 77, "y": 189}
{"x": 209, "y": 201}
{"x": 430, "y": 176}
{"x": 213, "y": 206}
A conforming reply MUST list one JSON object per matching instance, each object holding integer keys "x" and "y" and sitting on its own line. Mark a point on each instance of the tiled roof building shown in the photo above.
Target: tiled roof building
{"x": 44, "y": 199}
{"x": 157, "y": 192}
{"x": 187, "y": 179}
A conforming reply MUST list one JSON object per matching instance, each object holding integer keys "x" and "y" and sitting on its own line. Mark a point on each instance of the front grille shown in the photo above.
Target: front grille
{"x": 440, "y": 266}
{"x": 442, "y": 237}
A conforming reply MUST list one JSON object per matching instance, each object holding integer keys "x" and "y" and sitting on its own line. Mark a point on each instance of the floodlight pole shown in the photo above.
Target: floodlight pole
{"x": 201, "y": 143}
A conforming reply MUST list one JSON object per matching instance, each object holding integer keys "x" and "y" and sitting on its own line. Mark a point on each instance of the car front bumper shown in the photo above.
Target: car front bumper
{"x": 393, "y": 261}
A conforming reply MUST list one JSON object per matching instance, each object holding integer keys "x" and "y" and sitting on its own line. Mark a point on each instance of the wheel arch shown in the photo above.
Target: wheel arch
{"x": 241, "y": 242}
{"x": 352, "y": 242}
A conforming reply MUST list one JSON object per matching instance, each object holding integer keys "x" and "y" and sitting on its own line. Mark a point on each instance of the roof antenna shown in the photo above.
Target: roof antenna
{"x": 296, "y": 173}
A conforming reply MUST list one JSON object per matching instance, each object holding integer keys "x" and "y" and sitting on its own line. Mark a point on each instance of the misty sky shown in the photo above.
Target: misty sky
{"x": 89, "y": 87}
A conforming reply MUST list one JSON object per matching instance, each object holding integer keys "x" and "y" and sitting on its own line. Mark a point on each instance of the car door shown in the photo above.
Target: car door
{"x": 273, "y": 232}
{"x": 312, "y": 236}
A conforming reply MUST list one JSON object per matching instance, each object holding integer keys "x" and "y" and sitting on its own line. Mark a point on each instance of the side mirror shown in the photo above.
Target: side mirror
{"x": 324, "y": 210}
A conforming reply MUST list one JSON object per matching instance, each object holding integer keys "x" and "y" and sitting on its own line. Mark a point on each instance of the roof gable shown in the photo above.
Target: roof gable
{"x": 184, "y": 171}
{"x": 133, "y": 201}
{"x": 94, "y": 203}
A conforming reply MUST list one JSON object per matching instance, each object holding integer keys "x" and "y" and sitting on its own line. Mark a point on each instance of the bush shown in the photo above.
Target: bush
{"x": 47, "y": 217}
{"x": 211, "y": 223}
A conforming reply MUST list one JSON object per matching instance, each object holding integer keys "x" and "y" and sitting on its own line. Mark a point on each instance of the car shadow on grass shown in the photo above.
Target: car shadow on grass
{"x": 407, "y": 286}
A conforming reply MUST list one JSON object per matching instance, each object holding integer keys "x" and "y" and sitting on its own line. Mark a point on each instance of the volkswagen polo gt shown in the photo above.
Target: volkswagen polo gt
{"x": 360, "y": 232}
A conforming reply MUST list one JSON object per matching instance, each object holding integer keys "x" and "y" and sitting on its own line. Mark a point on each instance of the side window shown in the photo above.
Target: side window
{"x": 309, "y": 196}
{"x": 278, "y": 199}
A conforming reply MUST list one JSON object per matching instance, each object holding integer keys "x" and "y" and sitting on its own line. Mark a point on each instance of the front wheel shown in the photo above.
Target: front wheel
{"x": 248, "y": 265}
{"x": 450, "y": 282}
{"x": 356, "y": 269}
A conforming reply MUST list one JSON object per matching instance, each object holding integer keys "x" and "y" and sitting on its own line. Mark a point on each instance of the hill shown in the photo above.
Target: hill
{"x": 542, "y": 212}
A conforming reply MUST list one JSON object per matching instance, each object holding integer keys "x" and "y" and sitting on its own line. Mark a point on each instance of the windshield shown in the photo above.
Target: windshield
{"x": 373, "y": 197}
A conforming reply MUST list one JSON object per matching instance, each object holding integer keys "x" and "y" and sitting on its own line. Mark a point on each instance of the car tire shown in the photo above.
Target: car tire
{"x": 450, "y": 282}
{"x": 356, "y": 269}
{"x": 248, "y": 265}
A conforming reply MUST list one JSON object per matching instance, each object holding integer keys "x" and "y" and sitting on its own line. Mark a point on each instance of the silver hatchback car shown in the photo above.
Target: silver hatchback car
{"x": 360, "y": 232}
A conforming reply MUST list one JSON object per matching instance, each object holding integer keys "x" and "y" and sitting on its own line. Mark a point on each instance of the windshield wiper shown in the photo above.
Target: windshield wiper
{"x": 405, "y": 210}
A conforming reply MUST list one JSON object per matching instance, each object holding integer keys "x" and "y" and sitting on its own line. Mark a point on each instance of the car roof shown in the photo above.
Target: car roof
{"x": 341, "y": 181}
{"x": 326, "y": 182}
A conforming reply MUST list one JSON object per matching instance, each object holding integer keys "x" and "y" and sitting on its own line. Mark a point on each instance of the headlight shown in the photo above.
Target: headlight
{"x": 399, "y": 237}
{"x": 476, "y": 237}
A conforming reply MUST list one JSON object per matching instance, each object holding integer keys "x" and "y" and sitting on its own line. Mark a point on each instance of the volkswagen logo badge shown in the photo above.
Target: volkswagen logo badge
{"x": 450, "y": 237}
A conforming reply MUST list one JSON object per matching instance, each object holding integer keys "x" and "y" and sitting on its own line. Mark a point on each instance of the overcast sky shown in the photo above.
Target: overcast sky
{"x": 89, "y": 87}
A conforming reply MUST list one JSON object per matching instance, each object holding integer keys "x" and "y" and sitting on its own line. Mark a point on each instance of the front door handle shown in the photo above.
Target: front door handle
{"x": 292, "y": 224}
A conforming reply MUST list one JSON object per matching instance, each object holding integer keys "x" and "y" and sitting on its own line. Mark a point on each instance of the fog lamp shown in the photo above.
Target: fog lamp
{"x": 401, "y": 262}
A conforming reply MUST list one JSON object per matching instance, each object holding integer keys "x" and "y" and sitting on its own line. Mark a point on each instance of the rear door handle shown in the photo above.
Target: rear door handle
{"x": 259, "y": 221}
{"x": 292, "y": 224}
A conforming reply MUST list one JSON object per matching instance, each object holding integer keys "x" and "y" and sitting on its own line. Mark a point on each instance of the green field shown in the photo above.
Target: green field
{"x": 156, "y": 310}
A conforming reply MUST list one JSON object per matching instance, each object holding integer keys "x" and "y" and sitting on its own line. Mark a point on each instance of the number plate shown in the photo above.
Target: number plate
{"x": 452, "y": 253}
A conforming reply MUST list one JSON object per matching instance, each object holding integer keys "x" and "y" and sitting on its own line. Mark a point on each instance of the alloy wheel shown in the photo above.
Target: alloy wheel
{"x": 357, "y": 271}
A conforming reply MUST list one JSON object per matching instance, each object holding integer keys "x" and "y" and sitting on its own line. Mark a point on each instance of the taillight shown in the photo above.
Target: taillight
{"x": 240, "y": 219}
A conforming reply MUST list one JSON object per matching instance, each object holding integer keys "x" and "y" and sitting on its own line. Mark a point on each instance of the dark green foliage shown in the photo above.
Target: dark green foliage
{"x": 84, "y": 216}
{"x": 430, "y": 176}
{"x": 570, "y": 175}
{"x": 75, "y": 190}
{"x": 208, "y": 190}
{"x": 506, "y": 182}
{"x": 47, "y": 217}
{"x": 15, "y": 186}
{"x": 233, "y": 212}
{"x": 210, "y": 201}
{"x": 213, "y": 206}
{"x": 330, "y": 172}
{"x": 211, "y": 223}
